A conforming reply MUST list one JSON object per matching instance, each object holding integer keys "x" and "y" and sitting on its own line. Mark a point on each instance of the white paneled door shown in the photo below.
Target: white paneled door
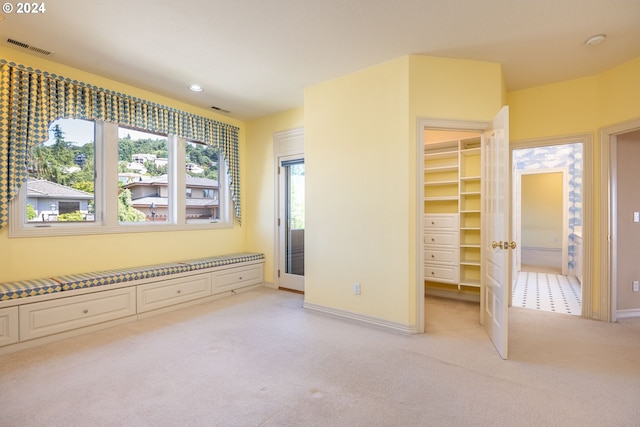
{"x": 497, "y": 247}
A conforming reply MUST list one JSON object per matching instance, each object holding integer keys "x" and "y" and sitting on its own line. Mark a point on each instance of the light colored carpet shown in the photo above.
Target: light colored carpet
{"x": 260, "y": 359}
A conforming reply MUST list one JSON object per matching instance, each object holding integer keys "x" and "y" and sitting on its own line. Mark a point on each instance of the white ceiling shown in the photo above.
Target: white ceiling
{"x": 255, "y": 57}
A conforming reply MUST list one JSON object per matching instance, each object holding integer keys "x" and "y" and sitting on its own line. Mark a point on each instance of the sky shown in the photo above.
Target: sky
{"x": 81, "y": 132}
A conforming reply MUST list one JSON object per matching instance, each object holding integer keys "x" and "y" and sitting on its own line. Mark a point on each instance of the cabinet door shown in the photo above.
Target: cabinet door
{"x": 441, "y": 239}
{"x": 441, "y": 273}
{"x": 8, "y": 325}
{"x": 50, "y": 317}
{"x": 440, "y": 255}
{"x": 235, "y": 278}
{"x": 448, "y": 222}
{"x": 175, "y": 291}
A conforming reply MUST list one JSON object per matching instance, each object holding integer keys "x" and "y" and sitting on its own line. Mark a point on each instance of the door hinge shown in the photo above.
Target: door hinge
{"x": 278, "y": 222}
{"x": 278, "y": 273}
{"x": 278, "y": 170}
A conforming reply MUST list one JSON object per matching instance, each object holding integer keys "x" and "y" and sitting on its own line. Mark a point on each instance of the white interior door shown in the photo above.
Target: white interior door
{"x": 496, "y": 250}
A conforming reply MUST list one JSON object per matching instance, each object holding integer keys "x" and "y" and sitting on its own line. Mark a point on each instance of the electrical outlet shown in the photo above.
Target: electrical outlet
{"x": 356, "y": 288}
{"x": 635, "y": 286}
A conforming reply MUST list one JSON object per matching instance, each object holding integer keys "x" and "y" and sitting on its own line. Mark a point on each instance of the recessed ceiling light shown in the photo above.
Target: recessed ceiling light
{"x": 595, "y": 40}
{"x": 195, "y": 88}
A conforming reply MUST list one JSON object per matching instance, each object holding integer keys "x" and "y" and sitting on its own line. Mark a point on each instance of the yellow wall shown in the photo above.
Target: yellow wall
{"x": 357, "y": 195}
{"x": 28, "y": 258}
{"x": 541, "y": 210}
{"x": 360, "y": 149}
{"x": 259, "y": 196}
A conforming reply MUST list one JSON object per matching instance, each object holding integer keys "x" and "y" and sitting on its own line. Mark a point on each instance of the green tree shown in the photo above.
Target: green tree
{"x": 31, "y": 213}
{"x": 86, "y": 186}
{"x": 126, "y": 211}
{"x": 71, "y": 216}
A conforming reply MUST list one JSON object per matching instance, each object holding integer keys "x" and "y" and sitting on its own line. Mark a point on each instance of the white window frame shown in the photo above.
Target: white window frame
{"x": 106, "y": 196}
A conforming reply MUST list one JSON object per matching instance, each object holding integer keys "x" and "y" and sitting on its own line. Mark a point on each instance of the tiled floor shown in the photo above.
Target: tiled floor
{"x": 547, "y": 292}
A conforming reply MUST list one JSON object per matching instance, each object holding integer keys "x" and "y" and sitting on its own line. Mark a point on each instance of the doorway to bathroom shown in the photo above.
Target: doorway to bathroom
{"x": 548, "y": 189}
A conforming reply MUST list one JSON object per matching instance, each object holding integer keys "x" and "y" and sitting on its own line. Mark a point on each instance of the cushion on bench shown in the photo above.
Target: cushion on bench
{"x": 217, "y": 261}
{"x": 28, "y": 288}
{"x": 108, "y": 277}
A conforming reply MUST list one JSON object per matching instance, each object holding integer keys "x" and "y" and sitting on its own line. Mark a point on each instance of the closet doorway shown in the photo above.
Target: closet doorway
{"x": 548, "y": 192}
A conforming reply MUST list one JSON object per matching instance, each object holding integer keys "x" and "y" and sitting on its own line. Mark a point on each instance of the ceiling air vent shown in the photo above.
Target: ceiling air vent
{"x": 29, "y": 47}
{"x": 220, "y": 109}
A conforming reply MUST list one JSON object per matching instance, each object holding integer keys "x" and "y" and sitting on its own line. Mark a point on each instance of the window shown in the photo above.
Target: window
{"x": 202, "y": 183}
{"x": 61, "y": 172}
{"x": 92, "y": 178}
{"x": 143, "y": 167}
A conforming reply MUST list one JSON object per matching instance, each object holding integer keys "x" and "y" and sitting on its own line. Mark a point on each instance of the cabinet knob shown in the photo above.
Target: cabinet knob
{"x": 433, "y": 222}
{"x": 433, "y": 240}
{"x": 85, "y": 311}
{"x": 240, "y": 278}
{"x": 433, "y": 272}
{"x": 179, "y": 290}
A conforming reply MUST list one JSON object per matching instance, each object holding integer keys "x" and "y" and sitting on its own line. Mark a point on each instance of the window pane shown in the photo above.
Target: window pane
{"x": 62, "y": 174}
{"x": 142, "y": 175}
{"x": 202, "y": 192}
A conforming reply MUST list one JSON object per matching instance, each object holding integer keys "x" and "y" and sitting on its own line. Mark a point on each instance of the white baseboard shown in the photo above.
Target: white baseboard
{"x": 627, "y": 314}
{"x": 361, "y": 318}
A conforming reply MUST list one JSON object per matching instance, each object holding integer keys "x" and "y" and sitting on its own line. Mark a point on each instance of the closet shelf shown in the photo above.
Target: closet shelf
{"x": 444, "y": 168}
{"x": 443, "y": 198}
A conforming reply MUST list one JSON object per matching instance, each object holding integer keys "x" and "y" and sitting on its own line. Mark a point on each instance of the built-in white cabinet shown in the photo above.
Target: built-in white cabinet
{"x": 452, "y": 207}
{"x": 441, "y": 253}
{"x": 51, "y": 317}
{"x": 26, "y": 323}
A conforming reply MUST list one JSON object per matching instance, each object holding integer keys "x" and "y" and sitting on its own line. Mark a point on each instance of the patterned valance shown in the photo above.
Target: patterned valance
{"x": 30, "y": 100}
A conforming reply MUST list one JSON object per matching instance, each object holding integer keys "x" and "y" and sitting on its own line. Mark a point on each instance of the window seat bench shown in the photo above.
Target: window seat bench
{"x": 36, "y": 311}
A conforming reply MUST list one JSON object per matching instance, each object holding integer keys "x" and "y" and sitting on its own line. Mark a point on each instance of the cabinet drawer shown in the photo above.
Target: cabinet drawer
{"x": 227, "y": 280}
{"x": 51, "y": 317}
{"x": 169, "y": 292}
{"x": 449, "y": 222}
{"x": 441, "y": 273}
{"x": 447, "y": 256}
{"x": 8, "y": 325}
{"x": 441, "y": 239}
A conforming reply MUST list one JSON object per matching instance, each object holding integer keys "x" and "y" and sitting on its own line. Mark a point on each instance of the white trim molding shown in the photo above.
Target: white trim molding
{"x": 627, "y": 314}
{"x": 361, "y": 318}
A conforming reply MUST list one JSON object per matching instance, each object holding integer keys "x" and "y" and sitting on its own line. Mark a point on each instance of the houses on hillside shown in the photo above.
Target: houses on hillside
{"x": 150, "y": 195}
{"x": 49, "y": 200}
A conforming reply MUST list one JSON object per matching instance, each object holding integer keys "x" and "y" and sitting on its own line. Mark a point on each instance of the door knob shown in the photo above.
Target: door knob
{"x": 503, "y": 245}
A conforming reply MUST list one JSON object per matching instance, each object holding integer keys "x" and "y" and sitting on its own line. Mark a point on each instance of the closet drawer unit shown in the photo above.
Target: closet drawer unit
{"x": 8, "y": 325}
{"x": 51, "y": 317}
{"x": 433, "y": 238}
{"x": 153, "y": 296}
{"x": 445, "y": 221}
{"x": 228, "y": 280}
{"x": 441, "y": 273}
{"x": 440, "y": 255}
